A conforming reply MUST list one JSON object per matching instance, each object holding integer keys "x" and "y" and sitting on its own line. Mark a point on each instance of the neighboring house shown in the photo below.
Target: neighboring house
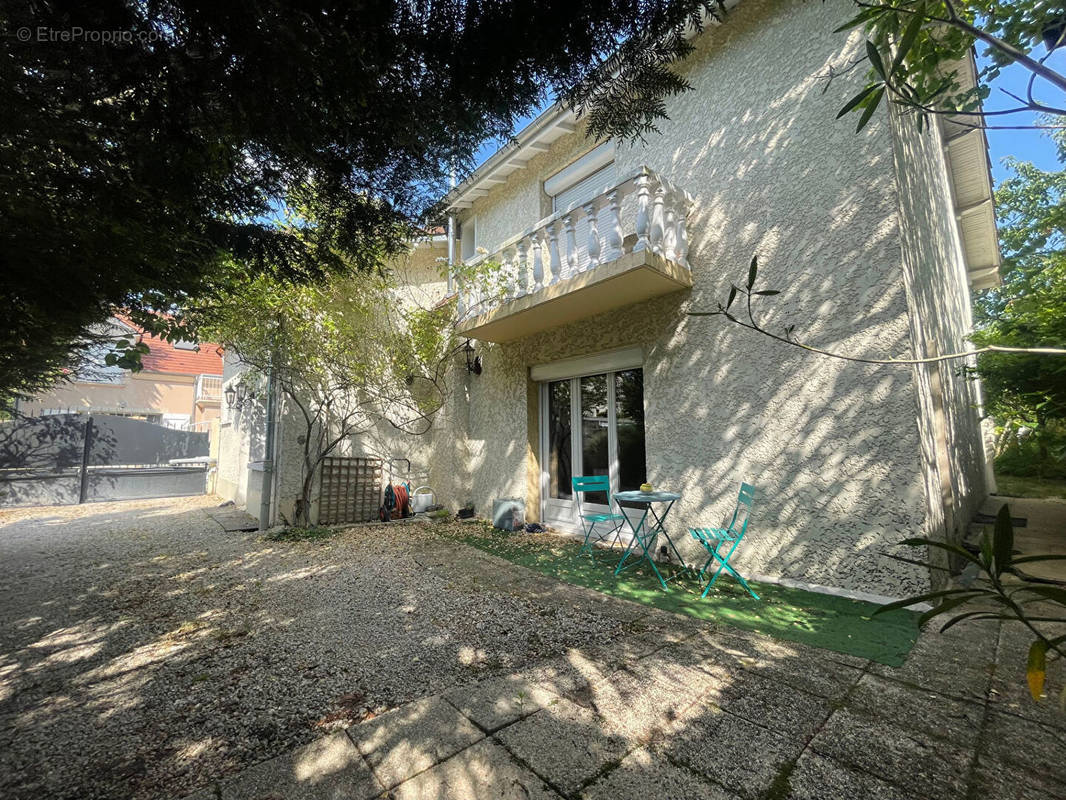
{"x": 592, "y": 366}
{"x": 180, "y": 385}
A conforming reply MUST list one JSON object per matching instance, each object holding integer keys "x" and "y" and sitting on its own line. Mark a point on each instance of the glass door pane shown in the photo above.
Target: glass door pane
{"x": 559, "y": 440}
{"x": 629, "y": 411}
{"x": 595, "y": 424}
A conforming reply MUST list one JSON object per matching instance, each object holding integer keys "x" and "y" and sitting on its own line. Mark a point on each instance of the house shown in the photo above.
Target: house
{"x": 592, "y": 365}
{"x": 180, "y": 384}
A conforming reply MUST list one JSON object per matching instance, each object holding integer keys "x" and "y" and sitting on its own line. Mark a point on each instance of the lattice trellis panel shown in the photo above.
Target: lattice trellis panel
{"x": 350, "y": 490}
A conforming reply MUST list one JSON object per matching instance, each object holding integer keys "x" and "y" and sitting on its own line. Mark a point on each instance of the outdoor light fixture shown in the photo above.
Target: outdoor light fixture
{"x": 242, "y": 392}
{"x": 231, "y": 395}
{"x": 473, "y": 361}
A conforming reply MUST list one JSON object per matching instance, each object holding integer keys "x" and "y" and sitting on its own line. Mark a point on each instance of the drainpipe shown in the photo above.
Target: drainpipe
{"x": 451, "y": 239}
{"x": 451, "y": 252}
{"x": 269, "y": 457}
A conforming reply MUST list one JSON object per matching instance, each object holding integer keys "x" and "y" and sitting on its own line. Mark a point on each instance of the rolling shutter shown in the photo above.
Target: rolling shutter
{"x": 574, "y": 196}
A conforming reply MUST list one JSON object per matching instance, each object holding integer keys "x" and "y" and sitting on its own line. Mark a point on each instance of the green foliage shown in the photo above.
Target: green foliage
{"x": 1026, "y": 394}
{"x": 1013, "y": 486}
{"x": 349, "y": 355}
{"x": 988, "y": 595}
{"x": 138, "y": 171}
{"x": 915, "y": 47}
{"x": 1032, "y": 453}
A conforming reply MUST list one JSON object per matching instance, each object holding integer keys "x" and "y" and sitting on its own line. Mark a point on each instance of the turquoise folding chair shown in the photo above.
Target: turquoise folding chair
{"x": 596, "y": 483}
{"x": 714, "y": 539}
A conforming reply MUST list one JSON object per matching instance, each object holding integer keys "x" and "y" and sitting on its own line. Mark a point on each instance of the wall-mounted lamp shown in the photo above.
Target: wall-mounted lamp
{"x": 231, "y": 395}
{"x": 473, "y": 361}
{"x": 242, "y": 393}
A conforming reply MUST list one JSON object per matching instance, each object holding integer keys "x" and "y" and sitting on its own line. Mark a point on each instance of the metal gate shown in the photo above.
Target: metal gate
{"x": 350, "y": 490}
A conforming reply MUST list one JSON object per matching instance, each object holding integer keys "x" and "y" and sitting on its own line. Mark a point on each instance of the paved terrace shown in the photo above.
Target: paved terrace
{"x": 145, "y": 653}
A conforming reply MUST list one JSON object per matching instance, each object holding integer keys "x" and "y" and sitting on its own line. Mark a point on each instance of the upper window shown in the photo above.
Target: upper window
{"x": 590, "y": 175}
{"x": 468, "y": 239}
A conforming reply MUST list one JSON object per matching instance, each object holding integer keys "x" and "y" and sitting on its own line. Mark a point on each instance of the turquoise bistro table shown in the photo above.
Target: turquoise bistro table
{"x": 648, "y": 529}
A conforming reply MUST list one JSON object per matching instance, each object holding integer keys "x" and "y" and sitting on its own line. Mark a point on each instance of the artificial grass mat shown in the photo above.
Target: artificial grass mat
{"x": 796, "y": 615}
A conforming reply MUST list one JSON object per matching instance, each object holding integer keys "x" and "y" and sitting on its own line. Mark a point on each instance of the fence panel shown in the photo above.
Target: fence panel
{"x": 63, "y": 459}
{"x": 350, "y": 490}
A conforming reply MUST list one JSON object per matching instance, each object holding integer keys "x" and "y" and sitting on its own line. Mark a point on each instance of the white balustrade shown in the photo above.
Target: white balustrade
{"x": 538, "y": 263}
{"x": 593, "y": 243}
{"x": 580, "y": 238}
{"x": 571, "y": 246}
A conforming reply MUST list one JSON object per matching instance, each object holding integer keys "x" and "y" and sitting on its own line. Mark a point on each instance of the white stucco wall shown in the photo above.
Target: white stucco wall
{"x": 833, "y": 447}
{"x": 858, "y": 238}
{"x": 941, "y": 319}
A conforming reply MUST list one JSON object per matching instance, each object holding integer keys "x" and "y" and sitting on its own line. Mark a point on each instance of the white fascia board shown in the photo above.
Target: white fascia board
{"x": 556, "y": 121}
{"x": 966, "y": 152}
{"x": 551, "y": 124}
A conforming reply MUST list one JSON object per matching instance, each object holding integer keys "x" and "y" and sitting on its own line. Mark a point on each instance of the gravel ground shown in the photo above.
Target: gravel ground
{"x": 145, "y": 652}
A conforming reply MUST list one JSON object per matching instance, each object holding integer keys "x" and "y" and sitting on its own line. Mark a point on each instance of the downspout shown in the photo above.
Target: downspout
{"x": 451, "y": 240}
{"x": 451, "y": 252}
{"x": 269, "y": 457}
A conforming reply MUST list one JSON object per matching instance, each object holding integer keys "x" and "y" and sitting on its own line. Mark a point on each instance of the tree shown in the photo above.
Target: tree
{"x": 146, "y": 147}
{"x": 348, "y": 355}
{"x": 1027, "y": 310}
{"x": 914, "y": 47}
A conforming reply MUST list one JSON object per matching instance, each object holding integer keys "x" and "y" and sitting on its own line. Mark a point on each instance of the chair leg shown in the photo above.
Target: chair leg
{"x": 587, "y": 546}
{"x": 724, "y": 565}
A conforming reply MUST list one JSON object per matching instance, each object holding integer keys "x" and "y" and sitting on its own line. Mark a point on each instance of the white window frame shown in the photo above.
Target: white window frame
{"x": 593, "y": 161}
{"x": 471, "y": 225}
{"x": 555, "y": 511}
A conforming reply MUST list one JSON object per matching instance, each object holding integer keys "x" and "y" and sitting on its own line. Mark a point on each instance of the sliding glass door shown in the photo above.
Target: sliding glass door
{"x": 590, "y": 425}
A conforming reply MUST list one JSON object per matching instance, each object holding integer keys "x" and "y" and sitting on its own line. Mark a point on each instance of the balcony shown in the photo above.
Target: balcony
{"x": 627, "y": 244}
{"x": 209, "y": 389}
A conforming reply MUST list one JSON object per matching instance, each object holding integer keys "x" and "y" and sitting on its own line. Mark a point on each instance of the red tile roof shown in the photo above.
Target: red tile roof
{"x": 162, "y": 356}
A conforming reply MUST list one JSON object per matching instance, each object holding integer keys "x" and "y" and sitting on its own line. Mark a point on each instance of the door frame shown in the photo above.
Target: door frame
{"x": 558, "y": 513}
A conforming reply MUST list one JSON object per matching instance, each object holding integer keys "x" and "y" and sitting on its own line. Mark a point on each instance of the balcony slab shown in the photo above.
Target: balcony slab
{"x": 631, "y": 278}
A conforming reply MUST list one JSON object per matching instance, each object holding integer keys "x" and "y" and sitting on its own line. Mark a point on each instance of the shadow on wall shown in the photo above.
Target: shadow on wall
{"x": 835, "y": 449}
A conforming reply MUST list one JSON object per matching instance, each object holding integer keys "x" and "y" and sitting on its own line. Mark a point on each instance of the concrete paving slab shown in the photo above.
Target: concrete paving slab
{"x": 806, "y": 668}
{"x": 816, "y": 777}
{"x": 643, "y": 775}
{"x": 636, "y": 707}
{"x": 682, "y": 669}
{"x": 730, "y": 751}
{"x": 413, "y": 738}
{"x": 918, "y": 709}
{"x": 327, "y": 769}
{"x": 569, "y": 676}
{"x": 958, "y": 663}
{"x": 902, "y": 757}
{"x": 1010, "y": 690}
{"x": 494, "y": 703}
{"x": 775, "y": 705}
{"x": 483, "y": 770}
{"x": 564, "y": 744}
{"x": 1028, "y": 745}
{"x": 998, "y": 780}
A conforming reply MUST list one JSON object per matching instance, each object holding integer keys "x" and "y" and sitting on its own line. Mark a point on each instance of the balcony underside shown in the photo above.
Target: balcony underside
{"x": 629, "y": 279}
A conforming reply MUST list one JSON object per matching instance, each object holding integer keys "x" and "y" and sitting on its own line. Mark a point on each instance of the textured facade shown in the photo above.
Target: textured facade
{"x": 858, "y": 232}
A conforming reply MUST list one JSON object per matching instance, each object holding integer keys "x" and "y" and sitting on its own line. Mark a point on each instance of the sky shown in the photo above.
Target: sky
{"x": 1028, "y": 145}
